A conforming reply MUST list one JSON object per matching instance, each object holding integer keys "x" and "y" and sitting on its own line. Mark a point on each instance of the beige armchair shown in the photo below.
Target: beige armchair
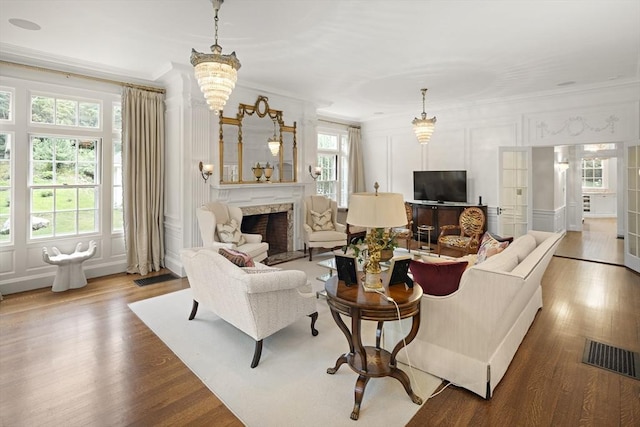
{"x": 321, "y": 229}
{"x": 257, "y": 300}
{"x": 215, "y": 221}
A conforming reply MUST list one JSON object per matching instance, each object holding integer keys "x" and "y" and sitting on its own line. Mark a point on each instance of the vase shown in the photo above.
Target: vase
{"x": 268, "y": 171}
{"x": 257, "y": 172}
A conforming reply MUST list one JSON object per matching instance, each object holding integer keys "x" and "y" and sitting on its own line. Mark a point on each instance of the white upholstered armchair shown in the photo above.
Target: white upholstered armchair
{"x": 220, "y": 224}
{"x": 257, "y": 303}
{"x": 321, "y": 229}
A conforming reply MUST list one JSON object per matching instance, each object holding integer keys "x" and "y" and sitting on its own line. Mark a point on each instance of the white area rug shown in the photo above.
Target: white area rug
{"x": 290, "y": 386}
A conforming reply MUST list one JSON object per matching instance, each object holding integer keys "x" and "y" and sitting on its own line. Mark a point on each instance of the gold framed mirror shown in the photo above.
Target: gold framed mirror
{"x": 248, "y": 145}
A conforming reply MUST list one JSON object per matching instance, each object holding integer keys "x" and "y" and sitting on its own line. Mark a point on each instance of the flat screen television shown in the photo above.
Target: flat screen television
{"x": 440, "y": 186}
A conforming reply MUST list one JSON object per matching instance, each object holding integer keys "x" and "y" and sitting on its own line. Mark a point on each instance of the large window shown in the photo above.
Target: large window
{"x": 64, "y": 189}
{"x": 65, "y": 112}
{"x": 5, "y": 187}
{"x": 117, "y": 214}
{"x": 333, "y": 159}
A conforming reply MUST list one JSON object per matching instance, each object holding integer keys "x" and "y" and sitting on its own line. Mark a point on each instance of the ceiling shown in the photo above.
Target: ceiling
{"x": 355, "y": 59}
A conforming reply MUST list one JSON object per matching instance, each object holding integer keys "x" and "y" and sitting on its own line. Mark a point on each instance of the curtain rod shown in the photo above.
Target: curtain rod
{"x": 82, "y": 76}
{"x": 338, "y": 123}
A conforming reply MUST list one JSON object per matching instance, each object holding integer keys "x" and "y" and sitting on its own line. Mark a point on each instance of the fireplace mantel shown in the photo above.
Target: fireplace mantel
{"x": 249, "y": 197}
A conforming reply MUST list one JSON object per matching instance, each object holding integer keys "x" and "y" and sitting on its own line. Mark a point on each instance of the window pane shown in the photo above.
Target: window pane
{"x": 117, "y": 222}
{"x": 117, "y": 117}
{"x": 327, "y": 142}
{"x": 66, "y": 112}
{"x": 5, "y": 229}
{"x": 66, "y": 199}
{"x": 65, "y": 223}
{"x": 89, "y": 115}
{"x": 5, "y": 105}
{"x": 65, "y": 149}
{"x": 42, "y": 148}
{"x": 65, "y": 173}
{"x": 41, "y": 225}
{"x": 42, "y": 200}
{"x": 42, "y": 109}
{"x": 87, "y": 221}
{"x": 87, "y": 150}
{"x": 5, "y": 201}
{"x": 87, "y": 198}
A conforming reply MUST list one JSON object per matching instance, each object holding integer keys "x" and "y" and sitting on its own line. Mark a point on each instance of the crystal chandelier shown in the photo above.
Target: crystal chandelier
{"x": 274, "y": 142}
{"x": 216, "y": 73}
{"x": 424, "y": 127}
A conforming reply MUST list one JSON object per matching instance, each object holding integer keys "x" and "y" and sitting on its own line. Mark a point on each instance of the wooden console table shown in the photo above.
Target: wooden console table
{"x": 439, "y": 214}
{"x": 367, "y": 361}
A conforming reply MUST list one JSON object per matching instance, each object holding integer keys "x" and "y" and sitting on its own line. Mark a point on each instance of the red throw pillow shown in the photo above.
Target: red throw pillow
{"x": 438, "y": 279}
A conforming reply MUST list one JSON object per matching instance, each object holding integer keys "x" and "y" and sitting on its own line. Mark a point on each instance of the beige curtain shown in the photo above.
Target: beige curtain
{"x": 143, "y": 179}
{"x": 356, "y": 164}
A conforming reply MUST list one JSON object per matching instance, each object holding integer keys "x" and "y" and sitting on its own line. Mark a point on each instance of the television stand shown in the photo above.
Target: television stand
{"x": 437, "y": 214}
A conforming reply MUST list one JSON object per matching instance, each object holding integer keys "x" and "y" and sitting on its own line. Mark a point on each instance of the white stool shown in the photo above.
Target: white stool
{"x": 70, "y": 274}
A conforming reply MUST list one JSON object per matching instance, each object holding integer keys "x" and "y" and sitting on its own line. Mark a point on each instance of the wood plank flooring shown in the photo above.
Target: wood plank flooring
{"x": 82, "y": 358}
{"x": 597, "y": 242}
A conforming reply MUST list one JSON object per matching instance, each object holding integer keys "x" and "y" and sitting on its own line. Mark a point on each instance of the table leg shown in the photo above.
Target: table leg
{"x": 361, "y": 384}
{"x": 406, "y": 383}
{"x": 342, "y": 359}
{"x": 415, "y": 325}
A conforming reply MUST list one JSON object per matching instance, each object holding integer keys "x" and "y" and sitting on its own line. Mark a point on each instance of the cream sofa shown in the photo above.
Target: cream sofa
{"x": 470, "y": 336}
{"x": 257, "y": 300}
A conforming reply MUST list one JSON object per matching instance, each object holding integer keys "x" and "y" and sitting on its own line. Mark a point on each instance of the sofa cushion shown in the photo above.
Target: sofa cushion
{"x": 438, "y": 279}
{"x": 321, "y": 221}
{"x": 522, "y": 247}
{"x": 490, "y": 246}
{"x": 240, "y": 259}
{"x": 260, "y": 268}
{"x": 229, "y": 232}
{"x": 504, "y": 262}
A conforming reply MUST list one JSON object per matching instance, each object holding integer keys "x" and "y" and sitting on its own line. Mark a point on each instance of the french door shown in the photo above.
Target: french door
{"x": 632, "y": 206}
{"x": 514, "y": 205}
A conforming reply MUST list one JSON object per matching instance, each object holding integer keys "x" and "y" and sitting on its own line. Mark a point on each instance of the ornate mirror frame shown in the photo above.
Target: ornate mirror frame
{"x": 262, "y": 110}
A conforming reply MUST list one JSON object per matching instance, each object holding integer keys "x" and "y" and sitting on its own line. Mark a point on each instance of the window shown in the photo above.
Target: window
{"x": 593, "y": 174}
{"x": 64, "y": 189}
{"x": 6, "y": 105}
{"x": 65, "y": 112}
{"x": 5, "y": 187}
{"x": 333, "y": 159}
{"x": 117, "y": 218}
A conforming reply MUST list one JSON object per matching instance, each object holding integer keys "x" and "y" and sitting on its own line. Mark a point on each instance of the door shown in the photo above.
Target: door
{"x": 632, "y": 207}
{"x": 514, "y": 204}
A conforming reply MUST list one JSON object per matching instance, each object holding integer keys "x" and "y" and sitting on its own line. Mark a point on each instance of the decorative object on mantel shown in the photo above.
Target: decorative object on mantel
{"x": 268, "y": 171}
{"x": 257, "y": 171}
{"x": 274, "y": 141}
{"x": 377, "y": 211}
{"x": 315, "y": 172}
{"x": 424, "y": 127}
{"x": 205, "y": 170}
{"x": 216, "y": 73}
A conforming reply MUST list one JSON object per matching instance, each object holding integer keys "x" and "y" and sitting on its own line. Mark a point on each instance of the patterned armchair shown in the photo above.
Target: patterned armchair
{"x": 466, "y": 236}
{"x": 321, "y": 229}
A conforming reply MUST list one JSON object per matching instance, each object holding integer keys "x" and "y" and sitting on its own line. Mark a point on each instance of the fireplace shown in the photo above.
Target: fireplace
{"x": 273, "y": 222}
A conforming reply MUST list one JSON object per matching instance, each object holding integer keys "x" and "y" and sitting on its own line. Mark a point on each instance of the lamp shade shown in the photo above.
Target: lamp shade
{"x": 376, "y": 210}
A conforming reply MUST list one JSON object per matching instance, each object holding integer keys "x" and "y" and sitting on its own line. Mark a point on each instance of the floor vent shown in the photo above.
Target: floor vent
{"x": 614, "y": 359}
{"x": 155, "y": 279}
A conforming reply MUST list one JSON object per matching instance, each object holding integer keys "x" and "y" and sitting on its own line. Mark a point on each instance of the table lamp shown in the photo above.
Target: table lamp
{"x": 381, "y": 211}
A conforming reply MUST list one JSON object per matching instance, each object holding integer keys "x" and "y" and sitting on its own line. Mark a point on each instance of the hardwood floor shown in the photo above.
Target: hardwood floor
{"x": 83, "y": 358}
{"x": 597, "y": 242}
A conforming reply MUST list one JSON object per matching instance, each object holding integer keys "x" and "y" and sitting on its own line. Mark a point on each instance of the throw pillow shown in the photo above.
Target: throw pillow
{"x": 490, "y": 246}
{"x": 229, "y": 232}
{"x": 238, "y": 258}
{"x": 322, "y": 221}
{"x": 438, "y": 279}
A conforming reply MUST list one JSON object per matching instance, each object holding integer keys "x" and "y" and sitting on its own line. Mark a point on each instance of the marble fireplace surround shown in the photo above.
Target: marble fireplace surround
{"x": 264, "y": 198}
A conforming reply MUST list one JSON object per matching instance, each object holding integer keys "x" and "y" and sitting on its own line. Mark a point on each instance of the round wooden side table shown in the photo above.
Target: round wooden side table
{"x": 369, "y": 361}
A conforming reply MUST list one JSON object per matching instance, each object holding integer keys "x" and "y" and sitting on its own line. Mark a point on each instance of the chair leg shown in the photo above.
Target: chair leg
{"x": 194, "y": 309}
{"x": 256, "y": 354}
{"x": 314, "y": 317}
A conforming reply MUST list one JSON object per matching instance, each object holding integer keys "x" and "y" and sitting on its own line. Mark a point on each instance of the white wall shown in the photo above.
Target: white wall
{"x": 468, "y": 137}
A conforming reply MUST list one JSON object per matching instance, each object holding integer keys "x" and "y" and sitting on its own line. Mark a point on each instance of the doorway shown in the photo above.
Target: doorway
{"x": 598, "y": 242}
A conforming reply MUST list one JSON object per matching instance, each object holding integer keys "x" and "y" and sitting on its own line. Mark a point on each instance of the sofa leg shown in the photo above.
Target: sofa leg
{"x": 194, "y": 309}
{"x": 310, "y": 250}
{"x": 256, "y": 354}
{"x": 314, "y": 317}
